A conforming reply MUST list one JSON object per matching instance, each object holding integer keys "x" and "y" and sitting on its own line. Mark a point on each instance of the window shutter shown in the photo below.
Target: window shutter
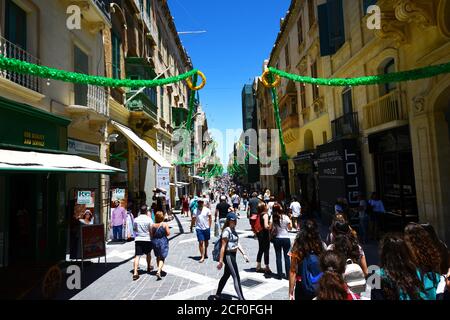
{"x": 325, "y": 49}
{"x": 336, "y": 24}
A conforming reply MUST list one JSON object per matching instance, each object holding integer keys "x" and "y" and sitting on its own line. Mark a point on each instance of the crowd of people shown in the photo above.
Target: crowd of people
{"x": 413, "y": 264}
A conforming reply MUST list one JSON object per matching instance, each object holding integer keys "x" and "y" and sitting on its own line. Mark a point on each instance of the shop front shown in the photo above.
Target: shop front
{"x": 340, "y": 175}
{"x": 394, "y": 172}
{"x": 34, "y": 164}
{"x": 306, "y": 182}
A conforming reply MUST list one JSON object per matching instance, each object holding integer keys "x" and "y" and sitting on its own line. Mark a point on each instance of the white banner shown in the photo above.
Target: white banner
{"x": 163, "y": 179}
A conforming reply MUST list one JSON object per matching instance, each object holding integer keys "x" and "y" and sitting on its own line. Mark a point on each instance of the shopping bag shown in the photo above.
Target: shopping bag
{"x": 216, "y": 229}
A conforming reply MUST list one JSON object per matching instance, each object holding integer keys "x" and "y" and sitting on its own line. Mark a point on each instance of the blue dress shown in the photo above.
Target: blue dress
{"x": 160, "y": 242}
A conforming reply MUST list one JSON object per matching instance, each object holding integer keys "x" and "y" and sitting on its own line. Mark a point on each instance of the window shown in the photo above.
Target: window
{"x": 116, "y": 56}
{"x": 300, "y": 30}
{"x": 315, "y": 88}
{"x": 294, "y": 105}
{"x": 389, "y": 68}
{"x": 148, "y": 8}
{"x": 303, "y": 95}
{"x": 16, "y": 25}
{"x": 331, "y": 27}
{"x": 81, "y": 65}
{"x": 347, "y": 100}
{"x": 311, "y": 13}
{"x": 161, "y": 105}
{"x": 286, "y": 52}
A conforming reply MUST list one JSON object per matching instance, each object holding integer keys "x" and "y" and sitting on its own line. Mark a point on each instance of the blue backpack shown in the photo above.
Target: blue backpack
{"x": 310, "y": 273}
{"x": 216, "y": 250}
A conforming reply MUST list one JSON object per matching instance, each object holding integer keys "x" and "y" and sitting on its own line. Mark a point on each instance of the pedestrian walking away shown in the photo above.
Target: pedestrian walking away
{"x": 222, "y": 210}
{"x": 279, "y": 228}
{"x": 143, "y": 244}
{"x": 296, "y": 210}
{"x": 159, "y": 233}
{"x": 229, "y": 247}
{"x": 305, "y": 270}
{"x": 203, "y": 222}
{"x": 263, "y": 240}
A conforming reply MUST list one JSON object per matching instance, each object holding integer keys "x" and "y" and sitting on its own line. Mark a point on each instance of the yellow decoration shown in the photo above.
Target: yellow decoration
{"x": 200, "y": 86}
{"x": 266, "y": 83}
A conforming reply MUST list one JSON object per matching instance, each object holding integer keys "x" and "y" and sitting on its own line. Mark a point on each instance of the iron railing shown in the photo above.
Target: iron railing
{"x": 11, "y": 50}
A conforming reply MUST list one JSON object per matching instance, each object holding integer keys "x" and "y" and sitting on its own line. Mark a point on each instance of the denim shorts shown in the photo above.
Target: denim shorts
{"x": 203, "y": 235}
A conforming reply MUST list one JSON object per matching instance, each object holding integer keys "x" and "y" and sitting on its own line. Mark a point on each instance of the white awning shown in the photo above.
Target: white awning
{"x": 142, "y": 144}
{"x": 11, "y": 160}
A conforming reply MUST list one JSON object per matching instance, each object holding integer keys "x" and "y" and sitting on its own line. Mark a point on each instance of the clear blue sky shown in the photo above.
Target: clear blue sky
{"x": 240, "y": 36}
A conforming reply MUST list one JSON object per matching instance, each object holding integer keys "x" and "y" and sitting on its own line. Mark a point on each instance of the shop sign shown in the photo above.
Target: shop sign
{"x": 85, "y": 197}
{"x": 118, "y": 194}
{"x": 33, "y": 139}
{"x": 340, "y": 172}
{"x": 79, "y": 147}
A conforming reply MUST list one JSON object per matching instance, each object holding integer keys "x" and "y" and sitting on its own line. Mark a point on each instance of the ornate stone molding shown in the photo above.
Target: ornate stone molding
{"x": 421, "y": 12}
{"x": 95, "y": 27}
{"x": 392, "y": 29}
{"x": 419, "y": 103}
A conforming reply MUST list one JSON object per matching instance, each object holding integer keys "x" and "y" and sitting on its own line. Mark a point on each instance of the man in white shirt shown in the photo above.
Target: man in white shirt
{"x": 143, "y": 243}
{"x": 295, "y": 210}
{"x": 203, "y": 221}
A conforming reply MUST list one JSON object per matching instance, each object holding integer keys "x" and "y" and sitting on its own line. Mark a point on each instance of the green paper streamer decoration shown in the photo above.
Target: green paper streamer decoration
{"x": 24, "y": 67}
{"x": 278, "y": 119}
{"x": 415, "y": 74}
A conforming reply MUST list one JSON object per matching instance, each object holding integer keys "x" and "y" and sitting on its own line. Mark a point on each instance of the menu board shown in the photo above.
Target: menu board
{"x": 93, "y": 241}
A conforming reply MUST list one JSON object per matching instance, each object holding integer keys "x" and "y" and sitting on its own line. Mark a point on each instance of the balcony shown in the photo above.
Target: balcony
{"x": 347, "y": 125}
{"x": 386, "y": 109}
{"x": 10, "y": 50}
{"x": 290, "y": 122}
{"x": 92, "y": 101}
{"x": 141, "y": 101}
{"x": 96, "y": 12}
{"x": 144, "y": 17}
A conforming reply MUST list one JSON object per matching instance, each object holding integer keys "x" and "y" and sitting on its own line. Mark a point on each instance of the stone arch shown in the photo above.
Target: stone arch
{"x": 442, "y": 19}
{"x": 309, "y": 140}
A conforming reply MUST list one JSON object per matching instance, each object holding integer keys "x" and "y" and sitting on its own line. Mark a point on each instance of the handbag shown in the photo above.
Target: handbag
{"x": 272, "y": 233}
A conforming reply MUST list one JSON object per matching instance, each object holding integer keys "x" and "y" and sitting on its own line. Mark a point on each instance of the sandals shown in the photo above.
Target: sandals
{"x": 150, "y": 269}
{"x": 158, "y": 276}
{"x": 135, "y": 277}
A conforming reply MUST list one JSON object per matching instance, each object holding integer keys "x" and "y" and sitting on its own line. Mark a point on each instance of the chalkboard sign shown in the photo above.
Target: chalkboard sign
{"x": 93, "y": 241}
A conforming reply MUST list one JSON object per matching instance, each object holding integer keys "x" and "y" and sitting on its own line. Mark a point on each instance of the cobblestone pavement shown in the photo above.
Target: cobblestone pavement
{"x": 184, "y": 278}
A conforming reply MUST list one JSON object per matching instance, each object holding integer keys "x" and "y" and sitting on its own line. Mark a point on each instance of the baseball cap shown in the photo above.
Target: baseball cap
{"x": 231, "y": 216}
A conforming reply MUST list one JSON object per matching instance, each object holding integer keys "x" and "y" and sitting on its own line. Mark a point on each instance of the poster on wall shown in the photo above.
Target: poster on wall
{"x": 118, "y": 194}
{"x": 86, "y": 197}
{"x": 163, "y": 180}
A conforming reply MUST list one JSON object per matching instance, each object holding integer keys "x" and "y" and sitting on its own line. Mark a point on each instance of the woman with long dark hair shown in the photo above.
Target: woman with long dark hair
{"x": 332, "y": 285}
{"x": 426, "y": 257}
{"x": 442, "y": 247}
{"x": 280, "y": 227}
{"x": 228, "y": 250}
{"x": 263, "y": 240}
{"x": 398, "y": 273}
{"x": 346, "y": 243}
{"x": 307, "y": 246}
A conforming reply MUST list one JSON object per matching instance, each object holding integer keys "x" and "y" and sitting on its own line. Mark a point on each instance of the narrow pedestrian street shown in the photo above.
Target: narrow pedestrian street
{"x": 185, "y": 279}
